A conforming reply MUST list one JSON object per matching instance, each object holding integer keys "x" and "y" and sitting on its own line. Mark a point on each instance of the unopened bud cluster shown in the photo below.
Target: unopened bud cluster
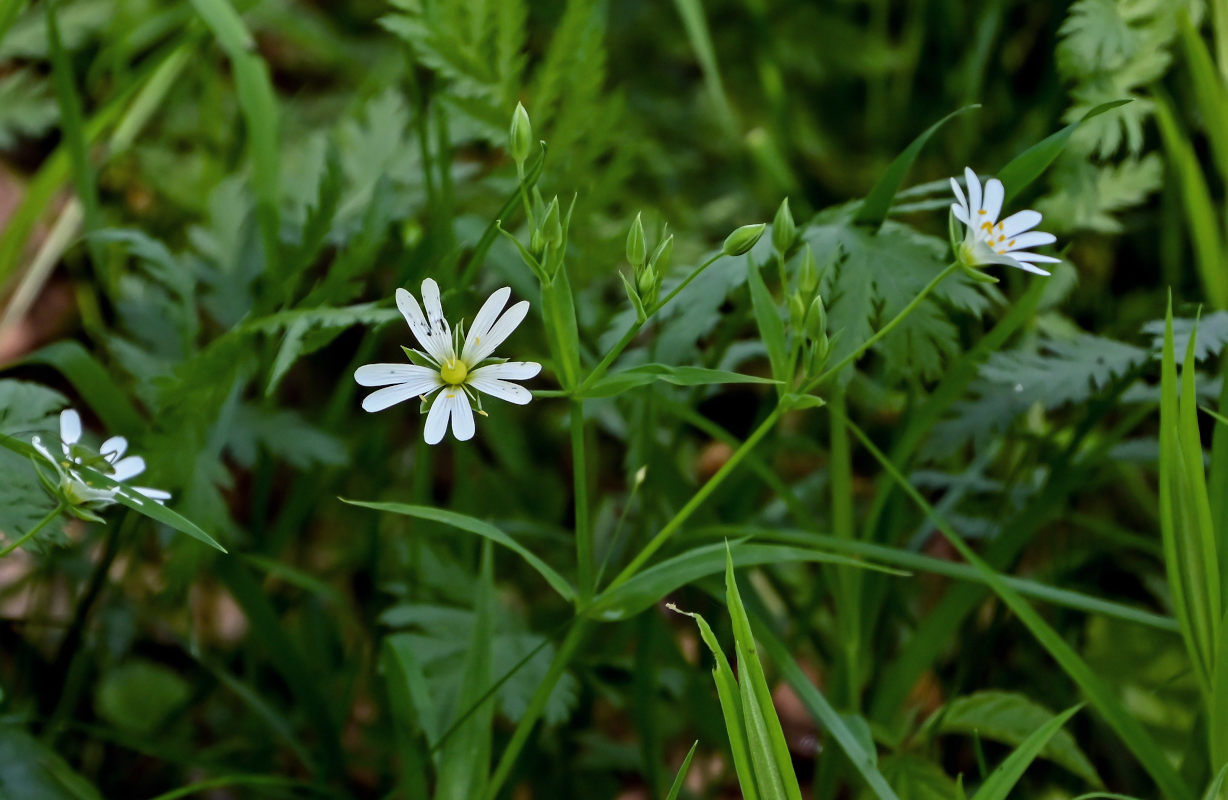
{"x": 808, "y": 314}
{"x": 647, "y": 269}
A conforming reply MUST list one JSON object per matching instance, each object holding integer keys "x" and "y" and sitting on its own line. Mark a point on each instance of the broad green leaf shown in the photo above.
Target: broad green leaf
{"x": 1028, "y": 165}
{"x": 483, "y": 529}
{"x": 648, "y": 587}
{"x": 916, "y": 778}
{"x": 618, "y": 382}
{"x": 676, "y": 787}
{"x": 1008, "y": 773}
{"x": 31, "y": 771}
{"x": 878, "y": 202}
{"x": 1010, "y": 718}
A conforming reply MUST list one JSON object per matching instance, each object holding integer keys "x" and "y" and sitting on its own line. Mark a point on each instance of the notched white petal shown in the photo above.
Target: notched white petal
{"x": 388, "y": 374}
{"x": 70, "y": 426}
{"x": 503, "y": 390}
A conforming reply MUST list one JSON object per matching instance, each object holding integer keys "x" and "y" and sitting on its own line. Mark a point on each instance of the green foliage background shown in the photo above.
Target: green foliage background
{"x": 206, "y": 207}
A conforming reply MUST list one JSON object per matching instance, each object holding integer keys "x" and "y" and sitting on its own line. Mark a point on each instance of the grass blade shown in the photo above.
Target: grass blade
{"x": 483, "y": 529}
{"x": 1101, "y": 696}
{"x": 1028, "y": 165}
{"x": 1008, "y": 773}
{"x": 878, "y": 202}
{"x": 676, "y": 788}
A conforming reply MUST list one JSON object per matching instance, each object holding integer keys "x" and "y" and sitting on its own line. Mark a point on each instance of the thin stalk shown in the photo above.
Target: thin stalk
{"x": 627, "y": 337}
{"x": 696, "y": 500}
{"x": 30, "y": 534}
{"x": 846, "y": 579}
{"x": 536, "y": 706}
{"x": 886, "y": 329}
{"x": 584, "y": 533}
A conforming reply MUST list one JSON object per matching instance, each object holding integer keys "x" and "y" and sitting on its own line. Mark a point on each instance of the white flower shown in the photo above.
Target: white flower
{"x": 109, "y": 460}
{"x": 989, "y": 241}
{"x": 455, "y": 370}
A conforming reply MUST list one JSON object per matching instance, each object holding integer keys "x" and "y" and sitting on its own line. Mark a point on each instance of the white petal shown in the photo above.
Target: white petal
{"x": 440, "y": 331}
{"x": 114, "y": 448}
{"x": 974, "y": 190}
{"x": 1035, "y": 257}
{"x": 1019, "y": 222}
{"x": 994, "y": 194}
{"x": 483, "y": 322}
{"x": 960, "y": 213}
{"x": 391, "y": 395}
{"x": 156, "y": 495}
{"x": 421, "y": 329}
{"x": 462, "y": 415}
{"x": 503, "y": 390}
{"x": 511, "y": 370}
{"x": 963, "y": 201}
{"x": 437, "y": 420}
{"x": 1030, "y": 239}
{"x": 128, "y": 468}
{"x": 1026, "y": 267}
{"x": 499, "y": 331}
{"x": 388, "y": 374}
{"x": 70, "y": 426}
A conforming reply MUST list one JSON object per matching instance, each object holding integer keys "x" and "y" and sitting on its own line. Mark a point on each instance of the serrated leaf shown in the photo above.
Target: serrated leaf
{"x": 875, "y": 276}
{"x": 1009, "y": 717}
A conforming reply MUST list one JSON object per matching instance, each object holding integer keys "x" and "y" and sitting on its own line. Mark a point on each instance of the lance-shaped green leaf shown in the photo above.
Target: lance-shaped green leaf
{"x": 623, "y": 380}
{"x": 874, "y": 208}
{"x": 1028, "y": 165}
{"x": 1008, "y": 773}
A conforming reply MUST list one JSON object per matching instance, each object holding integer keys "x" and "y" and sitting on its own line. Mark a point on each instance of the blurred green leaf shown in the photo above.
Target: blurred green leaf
{"x": 31, "y": 771}
{"x": 1003, "y": 779}
{"x": 140, "y": 695}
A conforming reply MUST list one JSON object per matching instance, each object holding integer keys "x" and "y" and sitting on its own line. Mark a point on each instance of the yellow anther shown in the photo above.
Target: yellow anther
{"x": 982, "y": 211}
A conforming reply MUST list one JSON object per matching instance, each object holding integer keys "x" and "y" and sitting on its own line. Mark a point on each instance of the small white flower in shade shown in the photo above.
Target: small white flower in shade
{"x": 989, "y": 241}
{"x": 108, "y": 459}
{"x": 456, "y": 370}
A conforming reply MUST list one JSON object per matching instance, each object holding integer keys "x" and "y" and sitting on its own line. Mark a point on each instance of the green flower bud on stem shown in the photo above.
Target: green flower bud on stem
{"x": 661, "y": 256}
{"x": 797, "y": 311}
{"x": 743, "y": 239}
{"x": 520, "y": 137}
{"x": 552, "y": 227}
{"x": 647, "y": 283}
{"x": 784, "y": 230}
{"x": 637, "y": 249}
{"x": 537, "y": 242}
{"x": 808, "y": 276}
{"x": 816, "y": 320}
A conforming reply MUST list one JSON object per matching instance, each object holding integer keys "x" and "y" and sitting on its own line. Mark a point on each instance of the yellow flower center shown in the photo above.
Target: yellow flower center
{"x": 454, "y": 372}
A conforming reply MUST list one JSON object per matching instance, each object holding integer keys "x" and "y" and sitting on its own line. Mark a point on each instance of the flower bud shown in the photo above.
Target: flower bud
{"x": 743, "y": 239}
{"x": 661, "y": 256}
{"x": 784, "y": 230}
{"x": 816, "y": 320}
{"x": 537, "y": 242}
{"x": 552, "y": 227}
{"x": 797, "y": 311}
{"x": 647, "y": 283}
{"x": 808, "y": 276}
{"x": 637, "y": 249}
{"x": 520, "y": 137}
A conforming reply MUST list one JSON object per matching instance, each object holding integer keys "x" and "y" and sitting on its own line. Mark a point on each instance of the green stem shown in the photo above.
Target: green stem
{"x": 614, "y": 353}
{"x": 584, "y": 534}
{"x": 627, "y": 337}
{"x": 685, "y": 281}
{"x": 30, "y": 534}
{"x": 886, "y": 329}
{"x": 536, "y": 706}
{"x": 696, "y": 500}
